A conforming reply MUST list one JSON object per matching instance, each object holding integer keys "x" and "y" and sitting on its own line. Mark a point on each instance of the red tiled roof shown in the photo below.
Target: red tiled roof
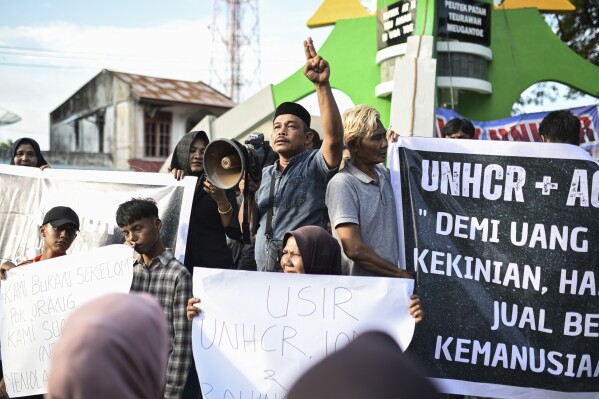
{"x": 148, "y": 87}
{"x": 139, "y": 165}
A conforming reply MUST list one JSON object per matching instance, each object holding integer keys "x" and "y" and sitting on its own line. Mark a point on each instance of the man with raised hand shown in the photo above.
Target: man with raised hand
{"x": 298, "y": 180}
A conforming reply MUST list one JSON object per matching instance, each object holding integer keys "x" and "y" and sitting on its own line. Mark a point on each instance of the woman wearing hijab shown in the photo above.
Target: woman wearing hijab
{"x": 312, "y": 250}
{"x": 116, "y": 346}
{"x": 213, "y": 217}
{"x": 307, "y": 250}
{"x": 214, "y": 211}
{"x": 26, "y": 152}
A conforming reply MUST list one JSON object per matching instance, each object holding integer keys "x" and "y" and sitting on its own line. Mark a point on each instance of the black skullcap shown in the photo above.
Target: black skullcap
{"x": 293, "y": 109}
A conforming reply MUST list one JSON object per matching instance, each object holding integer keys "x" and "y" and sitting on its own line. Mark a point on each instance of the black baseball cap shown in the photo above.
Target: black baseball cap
{"x": 61, "y": 215}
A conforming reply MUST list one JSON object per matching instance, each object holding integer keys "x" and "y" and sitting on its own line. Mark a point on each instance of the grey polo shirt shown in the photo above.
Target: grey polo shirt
{"x": 354, "y": 197}
{"x": 298, "y": 200}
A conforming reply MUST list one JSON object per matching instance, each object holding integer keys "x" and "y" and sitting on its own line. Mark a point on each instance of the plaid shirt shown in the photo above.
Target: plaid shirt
{"x": 170, "y": 283}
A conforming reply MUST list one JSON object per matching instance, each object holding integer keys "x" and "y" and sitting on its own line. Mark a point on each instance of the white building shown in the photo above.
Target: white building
{"x": 129, "y": 122}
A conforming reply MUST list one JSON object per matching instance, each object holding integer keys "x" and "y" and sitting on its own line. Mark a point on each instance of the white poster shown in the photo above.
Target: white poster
{"x": 36, "y": 300}
{"x": 257, "y": 333}
{"x": 28, "y": 193}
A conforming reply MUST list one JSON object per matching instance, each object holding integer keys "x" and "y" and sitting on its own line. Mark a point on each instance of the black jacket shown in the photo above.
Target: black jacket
{"x": 206, "y": 240}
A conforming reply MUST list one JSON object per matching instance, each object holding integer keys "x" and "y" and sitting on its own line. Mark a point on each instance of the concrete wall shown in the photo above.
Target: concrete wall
{"x": 183, "y": 115}
{"x": 80, "y": 160}
{"x": 60, "y": 161}
{"x": 88, "y": 136}
{"x": 62, "y": 138}
{"x": 127, "y": 141}
{"x": 98, "y": 96}
{"x": 93, "y": 96}
{"x": 109, "y": 129}
{"x": 247, "y": 117}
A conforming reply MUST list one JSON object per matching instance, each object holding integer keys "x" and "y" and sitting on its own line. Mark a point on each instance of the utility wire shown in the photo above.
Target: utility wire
{"x": 14, "y": 64}
{"x": 190, "y": 66}
{"x": 39, "y": 52}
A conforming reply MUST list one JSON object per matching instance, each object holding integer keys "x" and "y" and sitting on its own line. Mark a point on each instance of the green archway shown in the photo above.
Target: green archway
{"x": 525, "y": 51}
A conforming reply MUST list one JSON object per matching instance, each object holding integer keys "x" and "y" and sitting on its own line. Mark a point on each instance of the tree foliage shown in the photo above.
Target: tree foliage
{"x": 579, "y": 29}
{"x": 6, "y": 145}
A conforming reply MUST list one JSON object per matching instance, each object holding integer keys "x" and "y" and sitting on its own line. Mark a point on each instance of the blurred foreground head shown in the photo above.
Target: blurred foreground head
{"x": 373, "y": 366}
{"x": 113, "y": 347}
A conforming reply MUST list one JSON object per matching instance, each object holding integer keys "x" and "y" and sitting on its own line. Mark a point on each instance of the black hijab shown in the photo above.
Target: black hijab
{"x": 180, "y": 159}
{"x": 36, "y": 148}
{"x": 320, "y": 252}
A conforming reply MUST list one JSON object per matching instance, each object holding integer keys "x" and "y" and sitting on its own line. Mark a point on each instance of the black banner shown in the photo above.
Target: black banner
{"x": 396, "y": 23}
{"x": 504, "y": 238}
{"x": 465, "y": 20}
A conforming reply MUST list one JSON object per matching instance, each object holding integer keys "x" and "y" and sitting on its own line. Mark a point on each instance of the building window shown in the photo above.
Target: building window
{"x": 157, "y": 134}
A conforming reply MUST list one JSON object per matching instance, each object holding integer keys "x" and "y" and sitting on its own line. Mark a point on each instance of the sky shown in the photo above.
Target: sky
{"x": 50, "y": 48}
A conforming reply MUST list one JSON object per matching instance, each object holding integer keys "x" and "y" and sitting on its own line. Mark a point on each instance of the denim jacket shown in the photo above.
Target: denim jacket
{"x": 298, "y": 200}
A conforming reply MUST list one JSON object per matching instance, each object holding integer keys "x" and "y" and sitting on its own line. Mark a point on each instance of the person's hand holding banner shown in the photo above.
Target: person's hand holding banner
{"x": 38, "y": 298}
{"x": 257, "y": 332}
{"x": 503, "y": 238}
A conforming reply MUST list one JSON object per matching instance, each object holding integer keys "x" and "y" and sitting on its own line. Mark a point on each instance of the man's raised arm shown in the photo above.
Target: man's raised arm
{"x": 318, "y": 72}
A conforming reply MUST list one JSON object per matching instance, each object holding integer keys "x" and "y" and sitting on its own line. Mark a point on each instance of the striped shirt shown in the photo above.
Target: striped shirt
{"x": 170, "y": 283}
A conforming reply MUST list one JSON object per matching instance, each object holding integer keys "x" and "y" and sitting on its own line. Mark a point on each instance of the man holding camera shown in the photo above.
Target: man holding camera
{"x": 291, "y": 193}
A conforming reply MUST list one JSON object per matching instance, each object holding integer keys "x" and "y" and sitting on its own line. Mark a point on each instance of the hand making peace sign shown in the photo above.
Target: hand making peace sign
{"x": 316, "y": 69}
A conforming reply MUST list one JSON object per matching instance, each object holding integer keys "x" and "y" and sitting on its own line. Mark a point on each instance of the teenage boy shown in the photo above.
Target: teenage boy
{"x": 158, "y": 273}
{"x": 59, "y": 229}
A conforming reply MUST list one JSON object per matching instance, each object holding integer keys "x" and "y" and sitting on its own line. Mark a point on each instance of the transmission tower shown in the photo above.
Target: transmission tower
{"x": 235, "y": 58}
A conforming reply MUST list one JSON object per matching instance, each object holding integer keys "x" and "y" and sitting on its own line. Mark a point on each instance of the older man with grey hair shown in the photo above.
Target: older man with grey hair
{"x": 360, "y": 199}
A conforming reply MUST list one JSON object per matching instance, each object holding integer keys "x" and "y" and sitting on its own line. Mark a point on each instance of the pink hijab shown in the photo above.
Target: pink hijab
{"x": 113, "y": 347}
